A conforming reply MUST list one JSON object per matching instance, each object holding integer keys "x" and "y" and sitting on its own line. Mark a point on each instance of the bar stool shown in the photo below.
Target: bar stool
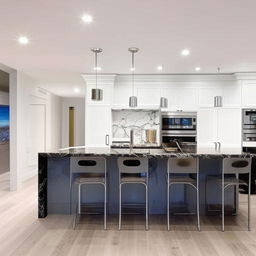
{"x": 175, "y": 168}
{"x": 135, "y": 167}
{"x": 231, "y": 168}
{"x": 91, "y": 171}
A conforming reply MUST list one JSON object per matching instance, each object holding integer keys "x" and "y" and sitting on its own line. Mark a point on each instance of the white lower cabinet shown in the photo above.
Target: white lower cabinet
{"x": 98, "y": 126}
{"x": 219, "y": 130}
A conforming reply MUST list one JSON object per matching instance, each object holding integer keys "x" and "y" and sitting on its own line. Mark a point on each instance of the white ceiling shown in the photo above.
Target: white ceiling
{"x": 63, "y": 84}
{"x": 218, "y": 33}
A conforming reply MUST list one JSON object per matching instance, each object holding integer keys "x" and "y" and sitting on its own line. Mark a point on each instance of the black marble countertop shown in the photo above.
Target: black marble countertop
{"x": 150, "y": 152}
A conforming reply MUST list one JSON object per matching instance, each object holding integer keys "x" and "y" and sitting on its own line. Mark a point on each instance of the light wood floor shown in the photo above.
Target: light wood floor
{"x": 21, "y": 233}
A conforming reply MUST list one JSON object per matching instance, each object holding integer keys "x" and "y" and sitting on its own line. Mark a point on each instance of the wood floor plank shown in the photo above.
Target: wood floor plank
{"x": 22, "y": 234}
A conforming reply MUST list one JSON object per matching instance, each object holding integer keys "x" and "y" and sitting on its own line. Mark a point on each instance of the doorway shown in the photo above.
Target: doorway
{"x": 4, "y": 124}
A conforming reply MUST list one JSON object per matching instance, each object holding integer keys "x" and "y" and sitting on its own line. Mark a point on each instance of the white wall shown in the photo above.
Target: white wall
{"x": 28, "y": 95}
{"x": 79, "y": 105}
{"x": 54, "y": 115}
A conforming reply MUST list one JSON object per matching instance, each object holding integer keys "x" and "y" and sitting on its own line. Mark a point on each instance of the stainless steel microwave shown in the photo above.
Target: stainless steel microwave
{"x": 178, "y": 121}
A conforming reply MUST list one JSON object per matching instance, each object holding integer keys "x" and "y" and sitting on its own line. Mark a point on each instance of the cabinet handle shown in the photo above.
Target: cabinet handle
{"x": 219, "y": 146}
{"x": 215, "y": 145}
{"x": 107, "y": 139}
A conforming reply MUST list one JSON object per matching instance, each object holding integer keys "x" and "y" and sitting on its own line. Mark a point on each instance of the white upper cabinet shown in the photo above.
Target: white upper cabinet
{"x": 206, "y": 95}
{"x": 105, "y": 82}
{"x": 222, "y": 125}
{"x": 181, "y": 98}
{"x": 230, "y": 92}
{"x": 249, "y": 94}
{"x": 148, "y": 97}
{"x": 121, "y": 96}
{"x": 188, "y": 93}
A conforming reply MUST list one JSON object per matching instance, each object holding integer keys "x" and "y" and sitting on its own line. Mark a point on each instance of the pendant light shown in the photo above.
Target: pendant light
{"x": 133, "y": 101}
{"x": 97, "y": 94}
{"x": 218, "y": 99}
{"x": 163, "y": 100}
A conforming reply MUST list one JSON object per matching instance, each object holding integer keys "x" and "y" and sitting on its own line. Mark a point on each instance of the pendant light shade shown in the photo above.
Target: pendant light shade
{"x": 163, "y": 102}
{"x": 133, "y": 101}
{"x": 96, "y": 94}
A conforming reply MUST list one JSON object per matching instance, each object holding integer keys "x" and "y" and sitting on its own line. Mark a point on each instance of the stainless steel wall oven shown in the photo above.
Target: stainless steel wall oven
{"x": 178, "y": 130}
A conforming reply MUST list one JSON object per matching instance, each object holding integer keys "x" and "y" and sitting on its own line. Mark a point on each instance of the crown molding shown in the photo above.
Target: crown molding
{"x": 102, "y": 78}
{"x": 245, "y": 76}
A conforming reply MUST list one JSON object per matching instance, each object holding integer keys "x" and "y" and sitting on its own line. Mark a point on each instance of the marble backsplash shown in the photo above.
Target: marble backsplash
{"x": 138, "y": 120}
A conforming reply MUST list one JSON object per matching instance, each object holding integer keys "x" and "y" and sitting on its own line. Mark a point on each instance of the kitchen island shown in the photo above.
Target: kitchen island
{"x": 57, "y": 195}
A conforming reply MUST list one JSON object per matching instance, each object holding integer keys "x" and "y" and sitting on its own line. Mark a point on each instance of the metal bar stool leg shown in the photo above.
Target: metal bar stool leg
{"x": 223, "y": 206}
{"x": 146, "y": 190}
{"x": 79, "y": 199}
{"x": 198, "y": 209}
{"x": 249, "y": 203}
{"x": 74, "y": 219}
{"x": 168, "y": 206}
{"x": 237, "y": 194}
{"x": 105, "y": 206}
{"x": 198, "y": 202}
{"x": 120, "y": 205}
{"x": 78, "y": 208}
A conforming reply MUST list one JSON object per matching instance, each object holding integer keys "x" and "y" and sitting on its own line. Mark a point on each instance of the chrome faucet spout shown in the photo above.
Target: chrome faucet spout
{"x": 131, "y": 140}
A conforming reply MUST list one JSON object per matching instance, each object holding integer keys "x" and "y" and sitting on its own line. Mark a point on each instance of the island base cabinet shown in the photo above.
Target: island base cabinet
{"x": 59, "y": 192}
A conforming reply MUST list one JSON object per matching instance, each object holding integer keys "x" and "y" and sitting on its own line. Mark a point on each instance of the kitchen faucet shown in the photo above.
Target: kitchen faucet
{"x": 131, "y": 140}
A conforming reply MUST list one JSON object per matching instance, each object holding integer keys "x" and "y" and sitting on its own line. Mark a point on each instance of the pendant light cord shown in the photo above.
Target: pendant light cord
{"x": 132, "y": 73}
{"x": 96, "y": 69}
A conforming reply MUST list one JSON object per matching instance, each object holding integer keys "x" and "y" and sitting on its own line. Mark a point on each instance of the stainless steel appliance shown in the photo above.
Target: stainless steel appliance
{"x": 249, "y": 126}
{"x": 178, "y": 131}
{"x": 179, "y": 122}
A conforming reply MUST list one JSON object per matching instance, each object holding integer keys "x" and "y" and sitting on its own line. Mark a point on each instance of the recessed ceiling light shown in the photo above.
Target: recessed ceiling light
{"x": 185, "y": 52}
{"x": 76, "y": 90}
{"x": 97, "y": 68}
{"x": 197, "y": 68}
{"x": 160, "y": 68}
{"x": 23, "y": 40}
{"x": 87, "y": 18}
{"x": 132, "y": 69}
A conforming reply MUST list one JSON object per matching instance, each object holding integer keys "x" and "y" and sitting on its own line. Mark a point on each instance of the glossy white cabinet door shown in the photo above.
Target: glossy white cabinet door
{"x": 248, "y": 94}
{"x": 121, "y": 96}
{"x": 98, "y": 126}
{"x": 148, "y": 97}
{"x": 206, "y": 129}
{"x": 229, "y": 128}
{"x": 181, "y": 98}
{"x": 207, "y": 94}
